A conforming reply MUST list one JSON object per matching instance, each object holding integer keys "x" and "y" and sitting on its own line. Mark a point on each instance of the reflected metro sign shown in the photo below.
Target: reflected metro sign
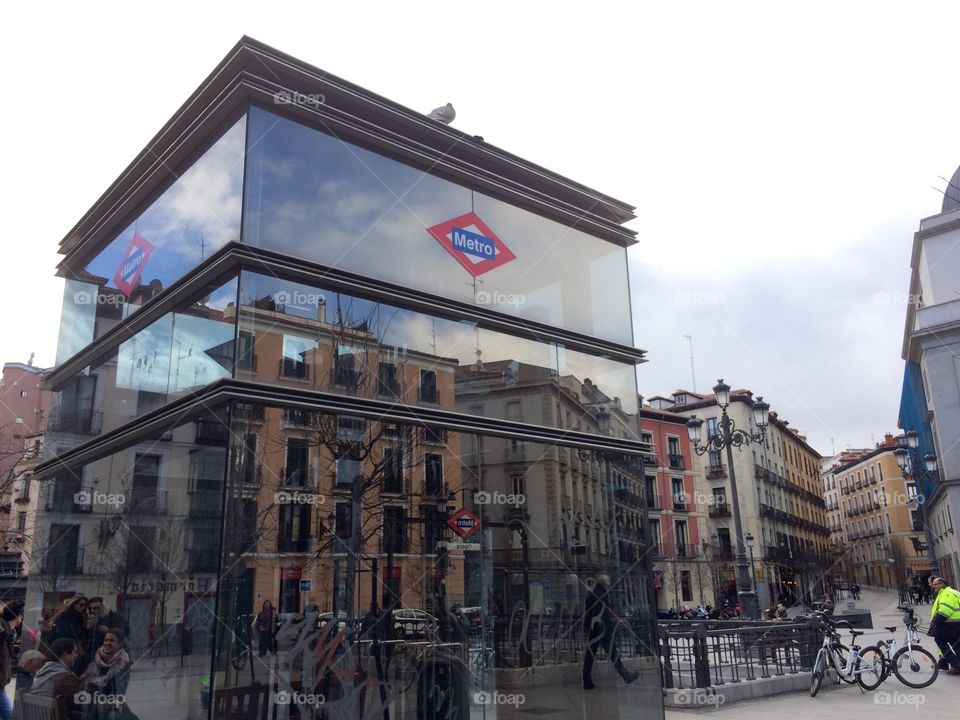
{"x": 464, "y": 523}
{"x": 472, "y": 243}
{"x": 134, "y": 260}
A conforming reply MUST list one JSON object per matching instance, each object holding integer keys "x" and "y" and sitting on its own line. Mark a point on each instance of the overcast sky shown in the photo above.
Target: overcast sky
{"x": 780, "y": 160}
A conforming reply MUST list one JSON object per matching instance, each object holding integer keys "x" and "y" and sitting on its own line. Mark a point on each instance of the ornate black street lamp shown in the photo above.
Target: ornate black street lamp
{"x": 728, "y": 437}
{"x": 908, "y": 458}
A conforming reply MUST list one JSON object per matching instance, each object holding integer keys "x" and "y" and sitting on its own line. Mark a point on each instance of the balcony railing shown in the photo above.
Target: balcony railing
{"x": 720, "y": 511}
{"x": 716, "y": 471}
{"x": 84, "y": 422}
{"x": 676, "y": 462}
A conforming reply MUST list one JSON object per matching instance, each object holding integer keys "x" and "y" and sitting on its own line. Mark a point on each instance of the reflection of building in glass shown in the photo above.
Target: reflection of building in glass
{"x": 582, "y": 512}
{"x": 298, "y": 413}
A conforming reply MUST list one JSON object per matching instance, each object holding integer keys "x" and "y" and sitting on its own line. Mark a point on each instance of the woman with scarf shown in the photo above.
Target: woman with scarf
{"x": 108, "y": 675}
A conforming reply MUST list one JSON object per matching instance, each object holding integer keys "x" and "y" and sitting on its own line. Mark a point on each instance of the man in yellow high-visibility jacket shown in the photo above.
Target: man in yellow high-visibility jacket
{"x": 945, "y": 622}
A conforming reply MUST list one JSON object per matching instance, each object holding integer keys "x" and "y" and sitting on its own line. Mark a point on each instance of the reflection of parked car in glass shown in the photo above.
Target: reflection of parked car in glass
{"x": 409, "y": 623}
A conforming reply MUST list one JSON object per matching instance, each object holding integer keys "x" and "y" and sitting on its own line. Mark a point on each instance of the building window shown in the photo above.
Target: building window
{"x": 911, "y": 491}
{"x": 433, "y": 474}
{"x": 650, "y": 484}
{"x": 681, "y": 531}
{"x": 655, "y": 537}
{"x": 21, "y": 521}
{"x": 393, "y": 470}
{"x": 394, "y": 529}
{"x": 344, "y": 520}
{"x": 519, "y": 485}
{"x": 686, "y": 589}
{"x": 679, "y": 494}
{"x": 23, "y": 393}
{"x": 387, "y": 383}
{"x": 345, "y": 367}
{"x": 428, "y": 386}
{"x": 712, "y": 429}
{"x": 513, "y": 412}
{"x": 296, "y": 471}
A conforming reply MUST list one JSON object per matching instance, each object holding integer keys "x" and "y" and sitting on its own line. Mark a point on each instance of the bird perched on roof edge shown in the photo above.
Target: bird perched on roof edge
{"x": 444, "y": 114}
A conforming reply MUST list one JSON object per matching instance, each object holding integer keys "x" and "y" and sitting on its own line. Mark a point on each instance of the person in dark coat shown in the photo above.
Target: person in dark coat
{"x": 599, "y": 625}
{"x": 71, "y": 624}
{"x": 266, "y": 624}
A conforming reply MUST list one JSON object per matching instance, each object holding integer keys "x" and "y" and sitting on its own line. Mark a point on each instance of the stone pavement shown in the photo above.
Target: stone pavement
{"x": 891, "y": 700}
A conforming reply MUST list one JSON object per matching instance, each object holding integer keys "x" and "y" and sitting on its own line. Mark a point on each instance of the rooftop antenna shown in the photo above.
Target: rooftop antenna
{"x": 693, "y": 373}
{"x": 833, "y": 447}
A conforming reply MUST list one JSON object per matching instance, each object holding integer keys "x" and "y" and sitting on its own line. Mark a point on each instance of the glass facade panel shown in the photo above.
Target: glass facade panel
{"x": 304, "y": 336}
{"x": 314, "y": 196}
{"x": 131, "y": 541}
{"x": 180, "y": 352}
{"x": 327, "y": 569}
{"x": 197, "y": 215}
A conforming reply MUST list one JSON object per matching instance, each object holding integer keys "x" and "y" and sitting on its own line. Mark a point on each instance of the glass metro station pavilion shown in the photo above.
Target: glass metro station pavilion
{"x": 320, "y": 350}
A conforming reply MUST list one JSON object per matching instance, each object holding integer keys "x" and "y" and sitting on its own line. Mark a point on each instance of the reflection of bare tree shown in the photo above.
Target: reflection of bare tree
{"x": 374, "y": 478}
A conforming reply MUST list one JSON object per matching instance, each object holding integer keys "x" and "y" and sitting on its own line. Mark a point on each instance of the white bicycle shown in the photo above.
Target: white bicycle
{"x": 865, "y": 667}
{"x": 913, "y": 665}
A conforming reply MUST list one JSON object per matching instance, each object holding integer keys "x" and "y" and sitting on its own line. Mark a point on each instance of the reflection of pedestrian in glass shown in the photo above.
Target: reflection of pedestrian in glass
{"x": 266, "y": 625}
{"x": 599, "y": 625}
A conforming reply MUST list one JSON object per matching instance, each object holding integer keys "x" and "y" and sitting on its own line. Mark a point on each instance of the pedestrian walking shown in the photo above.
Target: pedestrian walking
{"x": 599, "y": 624}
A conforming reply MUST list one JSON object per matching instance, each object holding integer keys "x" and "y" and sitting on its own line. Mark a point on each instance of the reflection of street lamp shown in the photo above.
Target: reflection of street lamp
{"x": 753, "y": 570}
{"x": 729, "y": 437}
{"x": 909, "y": 461}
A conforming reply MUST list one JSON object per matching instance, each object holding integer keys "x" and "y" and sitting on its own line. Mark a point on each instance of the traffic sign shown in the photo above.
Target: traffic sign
{"x": 464, "y": 523}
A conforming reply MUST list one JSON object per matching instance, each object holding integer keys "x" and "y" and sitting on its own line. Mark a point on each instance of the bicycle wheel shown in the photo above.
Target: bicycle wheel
{"x": 915, "y": 667}
{"x": 401, "y": 670}
{"x": 870, "y": 668}
{"x": 819, "y": 670}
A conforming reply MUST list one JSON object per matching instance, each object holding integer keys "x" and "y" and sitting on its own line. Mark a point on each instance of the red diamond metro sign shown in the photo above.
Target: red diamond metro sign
{"x": 464, "y": 523}
{"x": 472, "y": 243}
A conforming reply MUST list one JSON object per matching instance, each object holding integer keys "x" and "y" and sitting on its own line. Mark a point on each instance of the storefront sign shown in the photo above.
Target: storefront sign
{"x": 472, "y": 243}
{"x": 134, "y": 260}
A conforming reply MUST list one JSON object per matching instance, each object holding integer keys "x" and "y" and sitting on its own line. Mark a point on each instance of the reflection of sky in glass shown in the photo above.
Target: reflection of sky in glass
{"x": 311, "y": 195}
{"x": 77, "y": 320}
{"x": 179, "y": 351}
{"x": 444, "y": 338}
{"x": 192, "y": 219}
